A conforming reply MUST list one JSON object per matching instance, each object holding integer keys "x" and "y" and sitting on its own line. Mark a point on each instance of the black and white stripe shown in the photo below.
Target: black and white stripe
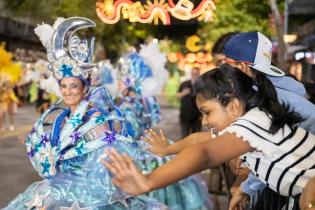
{"x": 283, "y": 160}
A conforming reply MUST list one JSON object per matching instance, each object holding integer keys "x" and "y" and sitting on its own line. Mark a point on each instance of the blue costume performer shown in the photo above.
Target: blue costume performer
{"x": 66, "y": 144}
{"x": 141, "y": 77}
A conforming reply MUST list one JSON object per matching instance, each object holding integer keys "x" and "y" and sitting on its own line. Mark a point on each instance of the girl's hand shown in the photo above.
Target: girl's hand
{"x": 239, "y": 200}
{"x": 126, "y": 176}
{"x": 158, "y": 144}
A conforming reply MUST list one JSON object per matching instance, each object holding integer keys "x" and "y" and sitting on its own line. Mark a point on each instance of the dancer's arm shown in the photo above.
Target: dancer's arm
{"x": 192, "y": 160}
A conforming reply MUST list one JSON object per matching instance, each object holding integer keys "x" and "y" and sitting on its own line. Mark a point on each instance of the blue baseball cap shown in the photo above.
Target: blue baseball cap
{"x": 253, "y": 48}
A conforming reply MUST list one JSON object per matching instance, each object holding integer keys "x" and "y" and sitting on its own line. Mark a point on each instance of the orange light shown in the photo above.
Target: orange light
{"x": 110, "y": 11}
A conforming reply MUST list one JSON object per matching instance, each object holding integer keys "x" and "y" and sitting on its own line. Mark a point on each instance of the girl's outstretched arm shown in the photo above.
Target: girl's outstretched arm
{"x": 159, "y": 144}
{"x": 192, "y": 160}
{"x": 188, "y": 141}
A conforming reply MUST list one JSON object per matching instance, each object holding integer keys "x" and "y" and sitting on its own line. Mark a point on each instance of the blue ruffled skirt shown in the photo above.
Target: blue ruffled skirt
{"x": 81, "y": 182}
{"x": 187, "y": 194}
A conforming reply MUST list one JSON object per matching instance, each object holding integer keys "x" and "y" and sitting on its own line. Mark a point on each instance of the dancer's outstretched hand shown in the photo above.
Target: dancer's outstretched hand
{"x": 126, "y": 175}
{"x": 158, "y": 143}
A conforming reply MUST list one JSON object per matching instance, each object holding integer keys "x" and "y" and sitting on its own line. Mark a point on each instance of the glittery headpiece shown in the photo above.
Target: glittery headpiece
{"x": 68, "y": 55}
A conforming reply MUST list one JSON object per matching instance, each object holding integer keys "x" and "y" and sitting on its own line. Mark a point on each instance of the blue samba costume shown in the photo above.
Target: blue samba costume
{"x": 66, "y": 148}
{"x": 141, "y": 108}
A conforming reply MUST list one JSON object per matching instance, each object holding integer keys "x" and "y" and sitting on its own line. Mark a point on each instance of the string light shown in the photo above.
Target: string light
{"x": 111, "y": 11}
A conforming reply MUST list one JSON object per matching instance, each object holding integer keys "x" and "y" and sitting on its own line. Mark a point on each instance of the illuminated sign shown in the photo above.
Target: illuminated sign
{"x": 111, "y": 11}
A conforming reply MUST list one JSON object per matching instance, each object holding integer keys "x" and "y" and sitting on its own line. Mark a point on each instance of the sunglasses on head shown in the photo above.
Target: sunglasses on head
{"x": 231, "y": 61}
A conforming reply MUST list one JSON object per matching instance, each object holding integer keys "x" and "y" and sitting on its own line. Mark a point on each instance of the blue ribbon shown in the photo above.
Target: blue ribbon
{"x": 57, "y": 127}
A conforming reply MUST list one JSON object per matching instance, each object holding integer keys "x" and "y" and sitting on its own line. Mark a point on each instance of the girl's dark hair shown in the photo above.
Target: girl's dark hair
{"x": 226, "y": 82}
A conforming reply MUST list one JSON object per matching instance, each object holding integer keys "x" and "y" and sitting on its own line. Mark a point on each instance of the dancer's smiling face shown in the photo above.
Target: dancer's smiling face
{"x": 72, "y": 90}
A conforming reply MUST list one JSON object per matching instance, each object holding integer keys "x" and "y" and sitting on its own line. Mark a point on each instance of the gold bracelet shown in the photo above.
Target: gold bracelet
{"x": 310, "y": 205}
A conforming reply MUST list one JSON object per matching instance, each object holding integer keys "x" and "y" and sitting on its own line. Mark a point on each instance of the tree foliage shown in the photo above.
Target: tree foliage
{"x": 238, "y": 15}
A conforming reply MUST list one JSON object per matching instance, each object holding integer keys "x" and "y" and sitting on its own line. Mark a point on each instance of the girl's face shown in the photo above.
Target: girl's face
{"x": 72, "y": 90}
{"x": 215, "y": 116}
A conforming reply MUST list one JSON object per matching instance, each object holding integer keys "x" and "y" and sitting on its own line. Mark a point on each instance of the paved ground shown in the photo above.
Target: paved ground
{"x": 16, "y": 172}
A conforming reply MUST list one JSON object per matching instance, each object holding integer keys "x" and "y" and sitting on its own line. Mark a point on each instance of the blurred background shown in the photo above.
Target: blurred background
{"x": 290, "y": 24}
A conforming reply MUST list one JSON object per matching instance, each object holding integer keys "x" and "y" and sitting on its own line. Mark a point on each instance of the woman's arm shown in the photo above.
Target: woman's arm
{"x": 192, "y": 160}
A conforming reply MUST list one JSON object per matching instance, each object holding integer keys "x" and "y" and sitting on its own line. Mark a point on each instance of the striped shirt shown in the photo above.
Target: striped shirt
{"x": 284, "y": 161}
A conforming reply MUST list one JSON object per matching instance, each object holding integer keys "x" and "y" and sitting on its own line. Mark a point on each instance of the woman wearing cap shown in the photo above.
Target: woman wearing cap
{"x": 67, "y": 142}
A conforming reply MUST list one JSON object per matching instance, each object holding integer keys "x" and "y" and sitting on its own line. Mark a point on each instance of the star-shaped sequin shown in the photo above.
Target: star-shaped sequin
{"x": 80, "y": 147}
{"x": 66, "y": 70}
{"x": 75, "y": 206}
{"x": 75, "y": 136}
{"x": 99, "y": 119}
{"x": 109, "y": 138}
{"x": 46, "y": 165}
{"x": 31, "y": 153}
{"x": 75, "y": 120}
{"x": 44, "y": 139}
{"x": 34, "y": 150}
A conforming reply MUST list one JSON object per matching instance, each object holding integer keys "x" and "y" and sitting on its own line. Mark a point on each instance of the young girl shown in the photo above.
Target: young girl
{"x": 250, "y": 123}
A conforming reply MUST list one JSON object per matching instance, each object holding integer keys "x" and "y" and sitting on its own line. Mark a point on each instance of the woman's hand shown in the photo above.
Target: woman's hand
{"x": 126, "y": 175}
{"x": 239, "y": 200}
{"x": 158, "y": 143}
